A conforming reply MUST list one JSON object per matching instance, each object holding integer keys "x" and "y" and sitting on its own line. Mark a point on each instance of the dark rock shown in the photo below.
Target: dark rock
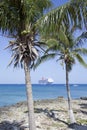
{"x": 83, "y": 98}
{"x": 77, "y": 126}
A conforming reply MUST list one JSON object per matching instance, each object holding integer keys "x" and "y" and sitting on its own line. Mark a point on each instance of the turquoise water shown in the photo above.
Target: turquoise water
{"x": 13, "y": 93}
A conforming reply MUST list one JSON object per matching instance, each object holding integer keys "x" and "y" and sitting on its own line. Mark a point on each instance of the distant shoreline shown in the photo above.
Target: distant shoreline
{"x": 45, "y": 101}
{"x": 41, "y": 100}
{"x": 42, "y": 84}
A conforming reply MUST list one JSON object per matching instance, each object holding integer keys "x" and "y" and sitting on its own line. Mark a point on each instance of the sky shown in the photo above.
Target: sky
{"x": 49, "y": 69}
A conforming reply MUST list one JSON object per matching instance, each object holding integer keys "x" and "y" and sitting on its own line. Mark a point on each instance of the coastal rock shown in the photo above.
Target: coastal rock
{"x": 49, "y": 115}
{"x": 83, "y": 98}
{"x": 6, "y": 125}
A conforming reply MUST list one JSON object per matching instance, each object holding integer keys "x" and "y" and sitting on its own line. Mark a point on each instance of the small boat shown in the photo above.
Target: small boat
{"x": 75, "y": 85}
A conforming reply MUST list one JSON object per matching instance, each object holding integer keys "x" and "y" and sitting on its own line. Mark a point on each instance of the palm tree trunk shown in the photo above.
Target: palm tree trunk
{"x": 71, "y": 114}
{"x": 31, "y": 118}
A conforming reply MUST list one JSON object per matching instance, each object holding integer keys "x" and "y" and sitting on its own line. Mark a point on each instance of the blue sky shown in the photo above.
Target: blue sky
{"x": 50, "y": 68}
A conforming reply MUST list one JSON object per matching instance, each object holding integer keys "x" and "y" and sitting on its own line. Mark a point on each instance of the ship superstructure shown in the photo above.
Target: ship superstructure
{"x": 46, "y": 81}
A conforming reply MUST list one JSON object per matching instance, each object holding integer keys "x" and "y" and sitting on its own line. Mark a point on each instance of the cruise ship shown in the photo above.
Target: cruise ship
{"x": 46, "y": 81}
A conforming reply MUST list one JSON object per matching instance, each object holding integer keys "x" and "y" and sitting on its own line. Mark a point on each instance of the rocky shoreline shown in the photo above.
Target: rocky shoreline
{"x": 50, "y": 114}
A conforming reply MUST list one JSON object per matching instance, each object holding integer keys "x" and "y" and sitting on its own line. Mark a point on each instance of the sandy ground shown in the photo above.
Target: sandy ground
{"x": 49, "y": 115}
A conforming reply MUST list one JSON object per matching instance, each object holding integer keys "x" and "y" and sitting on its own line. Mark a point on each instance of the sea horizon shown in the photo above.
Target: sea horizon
{"x": 43, "y": 84}
{"x": 14, "y": 93}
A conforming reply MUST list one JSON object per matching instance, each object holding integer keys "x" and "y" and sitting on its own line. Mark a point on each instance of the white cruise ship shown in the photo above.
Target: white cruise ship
{"x": 46, "y": 81}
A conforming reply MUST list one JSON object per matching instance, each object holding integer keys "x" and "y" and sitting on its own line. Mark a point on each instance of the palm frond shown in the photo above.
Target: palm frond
{"x": 43, "y": 59}
{"x": 69, "y": 16}
{"x": 11, "y": 60}
{"x": 23, "y": 14}
{"x": 81, "y": 61}
{"x": 63, "y": 37}
{"x": 84, "y": 35}
{"x": 81, "y": 51}
{"x": 80, "y": 41}
{"x": 52, "y": 44}
{"x": 11, "y": 44}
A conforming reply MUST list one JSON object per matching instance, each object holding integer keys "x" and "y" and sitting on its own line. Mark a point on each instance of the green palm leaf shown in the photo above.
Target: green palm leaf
{"x": 70, "y": 15}
{"x": 81, "y": 51}
{"x": 80, "y": 59}
{"x": 44, "y": 58}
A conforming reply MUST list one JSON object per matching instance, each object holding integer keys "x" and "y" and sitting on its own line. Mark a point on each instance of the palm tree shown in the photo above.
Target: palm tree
{"x": 66, "y": 49}
{"x": 17, "y": 19}
{"x": 73, "y": 15}
{"x": 59, "y": 24}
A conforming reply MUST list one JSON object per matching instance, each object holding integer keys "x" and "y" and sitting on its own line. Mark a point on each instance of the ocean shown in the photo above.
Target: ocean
{"x": 13, "y": 93}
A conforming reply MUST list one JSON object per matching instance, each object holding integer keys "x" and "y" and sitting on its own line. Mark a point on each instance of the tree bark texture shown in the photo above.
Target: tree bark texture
{"x": 71, "y": 115}
{"x": 31, "y": 117}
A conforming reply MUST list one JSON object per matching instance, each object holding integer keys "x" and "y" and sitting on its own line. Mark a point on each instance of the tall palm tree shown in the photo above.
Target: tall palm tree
{"x": 64, "y": 48}
{"x": 17, "y": 19}
{"x": 59, "y": 24}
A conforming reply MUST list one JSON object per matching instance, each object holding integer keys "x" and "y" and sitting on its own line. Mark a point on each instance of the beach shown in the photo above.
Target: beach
{"x": 50, "y": 114}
